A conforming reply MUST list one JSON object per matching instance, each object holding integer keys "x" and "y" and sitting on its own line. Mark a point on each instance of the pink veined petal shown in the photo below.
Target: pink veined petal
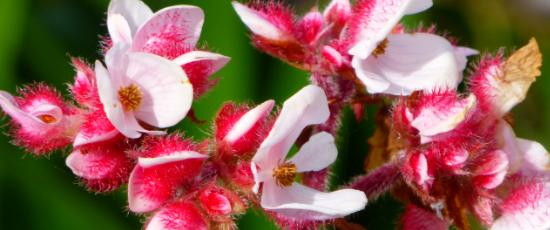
{"x": 526, "y": 207}
{"x": 303, "y": 203}
{"x": 307, "y": 107}
{"x": 174, "y": 157}
{"x": 218, "y": 60}
{"x": 371, "y": 29}
{"x": 316, "y": 154}
{"x": 8, "y": 104}
{"x": 167, "y": 93}
{"x": 119, "y": 30}
{"x": 248, "y": 120}
{"x": 183, "y": 23}
{"x": 433, "y": 121}
{"x": 134, "y": 11}
{"x": 125, "y": 123}
{"x": 81, "y": 139}
{"x": 258, "y": 24}
{"x": 411, "y": 62}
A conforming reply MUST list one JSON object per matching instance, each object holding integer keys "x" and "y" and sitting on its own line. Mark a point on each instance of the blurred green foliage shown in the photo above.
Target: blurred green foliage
{"x": 37, "y": 37}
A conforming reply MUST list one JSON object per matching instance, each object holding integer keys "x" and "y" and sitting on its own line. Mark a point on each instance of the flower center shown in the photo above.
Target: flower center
{"x": 284, "y": 174}
{"x": 48, "y": 119}
{"x": 381, "y": 48}
{"x": 130, "y": 97}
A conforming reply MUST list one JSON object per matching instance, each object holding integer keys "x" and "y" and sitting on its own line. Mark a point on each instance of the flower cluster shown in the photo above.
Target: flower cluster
{"x": 446, "y": 153}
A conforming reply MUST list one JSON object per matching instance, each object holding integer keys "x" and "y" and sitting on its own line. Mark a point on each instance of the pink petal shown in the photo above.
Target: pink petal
{"x": 178, "y": 24}
{"x": 10, "y": 107}
{"x": 434, "y": 120}
{"x": 410, "y": 62}
{"x": 307, "y": 107}
{"x": 177, "y": 216}
{"x": 248, "y": 120}
{"x": 167, "y": 93}
{"x": 217, "y": 60}
{"x": 258, "y": 24}
{"x": 526, "y": 207}
{"x": 134, "y": 11}
{"x": 303, "y": 203}
{"x": 534, "y": 154}
{"x": 491, "y": 163}
{"x": 82, "y": 139}
{"x": 374, "y": 20}
{"x": 316, "y": 154}
{"x": 416, "y": 218}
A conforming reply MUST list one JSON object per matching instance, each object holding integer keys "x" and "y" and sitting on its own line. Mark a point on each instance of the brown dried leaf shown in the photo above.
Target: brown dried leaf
{"x": 518, "y": 73}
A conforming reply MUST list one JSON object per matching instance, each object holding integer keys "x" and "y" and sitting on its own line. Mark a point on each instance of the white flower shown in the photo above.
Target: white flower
{"x": 140, "y": 86}
{"x": 276, "y": 173}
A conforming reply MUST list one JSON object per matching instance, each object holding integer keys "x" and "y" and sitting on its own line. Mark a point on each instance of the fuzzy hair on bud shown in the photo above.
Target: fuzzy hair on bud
{"x": 178, "y": 215}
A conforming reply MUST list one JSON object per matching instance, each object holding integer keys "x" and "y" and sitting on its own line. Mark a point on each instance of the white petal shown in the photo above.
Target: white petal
{"x": 303, "y": 203}
{"x": 248, "y": 120}
{"x": 167, "y": 93}
{"x": 119, "y": 30}
{"x": 184, "y": 21}
{"x": 461, "y": 55}
{"x": 419, "y": 61}
{"x": 218, "y": 60}
{"x": 534, "y": 153}
{"x": 417, "y": 6}
{"x": 380, "y": 22}
{"x": 134, "y": 11}
{"x": 81, "y": 139}
{"x": 113, "y": 109}
{"x": 508, "y": 144}
{"x": 176, "y": 156}
{"x": 307, "y": 107}
{"x": 258, "y": 24}
{"x": 10, "y": 107}
{"x": 316, "y": 154}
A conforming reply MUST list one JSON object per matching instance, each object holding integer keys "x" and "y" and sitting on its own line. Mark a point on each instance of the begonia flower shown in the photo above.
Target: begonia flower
{"x": 172, "y": 33}
{"x": 142, "y": 87}
{"x": 276, "y": 173}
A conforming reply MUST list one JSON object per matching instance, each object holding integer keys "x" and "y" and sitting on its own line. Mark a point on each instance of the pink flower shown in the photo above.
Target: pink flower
{"x": 172, "y": 33}
{"x": 41, "y": 120}
{"x": 142, "y": 87}
{"x": 276, "y": 174}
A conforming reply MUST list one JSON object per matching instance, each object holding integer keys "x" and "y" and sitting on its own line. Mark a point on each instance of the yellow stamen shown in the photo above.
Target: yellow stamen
{"x": 130, "y": 97}
{"x": 381, "y": 48}
{"x": 284, "y": 174}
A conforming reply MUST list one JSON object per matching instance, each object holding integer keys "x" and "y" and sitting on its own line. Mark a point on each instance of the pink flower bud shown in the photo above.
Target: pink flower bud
{"x": 240, "y": 129}
{"x": 333, "y": 56}
{"x": 84, "y": 88}
{"x": 103, "y": 168}
{"x": 41, "y": 120}
{"x": 416, "y": 218}
{"x": 178, "y": 215}
{"x": 338, "y": 12}
{"x": 165, "y": 164}
{"x": 214, "y": 202}
{"x": 310, "y": 28}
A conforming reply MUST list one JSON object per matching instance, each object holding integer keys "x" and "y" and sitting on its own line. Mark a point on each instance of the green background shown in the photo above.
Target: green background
{"x": 37, "y": 38}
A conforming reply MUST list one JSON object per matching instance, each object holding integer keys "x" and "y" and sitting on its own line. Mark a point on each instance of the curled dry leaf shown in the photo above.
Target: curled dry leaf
{"x": 518, "y": 73}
